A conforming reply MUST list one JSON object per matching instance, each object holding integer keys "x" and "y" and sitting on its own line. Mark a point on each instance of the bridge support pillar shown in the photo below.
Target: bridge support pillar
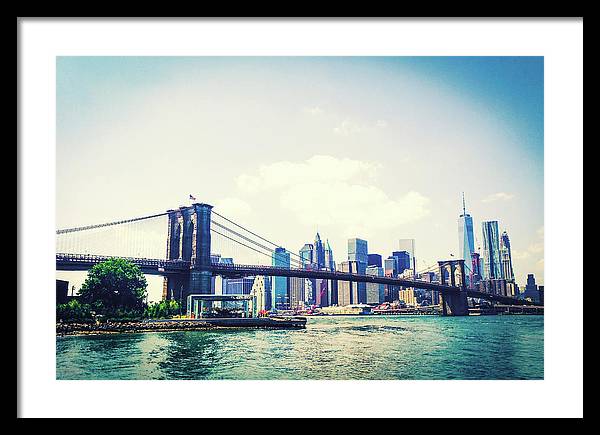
{"x": 453, "y": 273}
{"x": 200, "y": 278}
{"x": 189, "y": 240}
{"x": 455, "y": 304}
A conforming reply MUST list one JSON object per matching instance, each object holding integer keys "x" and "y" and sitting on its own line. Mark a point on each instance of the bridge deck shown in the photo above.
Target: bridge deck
{"x": 165, "y": 267}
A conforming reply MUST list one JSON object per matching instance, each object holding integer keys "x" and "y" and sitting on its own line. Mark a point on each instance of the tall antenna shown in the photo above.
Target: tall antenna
{"x": 464, "y": 208}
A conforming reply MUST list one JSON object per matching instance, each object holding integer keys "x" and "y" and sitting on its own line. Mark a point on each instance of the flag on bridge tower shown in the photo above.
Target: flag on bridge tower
{"x": 192, "y": 198}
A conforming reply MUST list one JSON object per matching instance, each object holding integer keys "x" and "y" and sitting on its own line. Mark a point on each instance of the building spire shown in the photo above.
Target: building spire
{"x": 464, "y": 208}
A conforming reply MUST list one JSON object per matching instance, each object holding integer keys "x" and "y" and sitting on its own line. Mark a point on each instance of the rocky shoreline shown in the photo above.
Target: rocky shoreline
{"x": 120, "y": 327}
{"x": 112, "y": 327}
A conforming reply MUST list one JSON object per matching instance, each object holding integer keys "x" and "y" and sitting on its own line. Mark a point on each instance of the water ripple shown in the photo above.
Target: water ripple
{"x": 386, "y": 347}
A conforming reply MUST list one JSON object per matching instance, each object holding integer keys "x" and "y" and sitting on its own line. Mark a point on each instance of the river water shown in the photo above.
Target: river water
{"x": 353, "y": 347}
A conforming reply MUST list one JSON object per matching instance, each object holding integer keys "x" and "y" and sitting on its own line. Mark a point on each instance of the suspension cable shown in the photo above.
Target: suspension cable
{"x": 244, "y": 237}
{"x": 243, "y": 244}
{"x": 254, "y": 234}
{"x": 90, "y": 227}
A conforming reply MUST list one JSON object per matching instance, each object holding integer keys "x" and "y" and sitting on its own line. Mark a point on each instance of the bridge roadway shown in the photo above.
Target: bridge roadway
{"x": 153, "y": 266}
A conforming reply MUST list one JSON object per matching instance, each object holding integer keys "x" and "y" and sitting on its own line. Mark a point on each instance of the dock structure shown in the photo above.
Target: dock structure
{"x": 200, "y": 304}
{"x": 276, "y": 322}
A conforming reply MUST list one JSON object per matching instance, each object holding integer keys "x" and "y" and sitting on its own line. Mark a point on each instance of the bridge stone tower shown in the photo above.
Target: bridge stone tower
{"x": 189, "y": 240}
{"x": 452, "y": 272}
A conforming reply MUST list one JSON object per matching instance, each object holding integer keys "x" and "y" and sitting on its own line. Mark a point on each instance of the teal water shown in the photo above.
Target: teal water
{"x": 361, "y": 347}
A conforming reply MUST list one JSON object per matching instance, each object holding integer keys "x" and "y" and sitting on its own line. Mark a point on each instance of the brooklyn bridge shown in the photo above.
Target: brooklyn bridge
{"x": 195, "y": 236}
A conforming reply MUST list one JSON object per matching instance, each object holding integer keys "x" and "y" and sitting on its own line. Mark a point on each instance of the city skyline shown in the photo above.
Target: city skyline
{"x": 373, "y": 148}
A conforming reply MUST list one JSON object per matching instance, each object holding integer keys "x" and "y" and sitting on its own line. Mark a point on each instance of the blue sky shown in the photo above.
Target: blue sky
{"x": 373, "y": 147}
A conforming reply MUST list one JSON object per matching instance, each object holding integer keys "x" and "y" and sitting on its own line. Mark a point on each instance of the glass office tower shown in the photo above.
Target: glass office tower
{"x": 492, "y": 268}
{"x": 466, "y": 243}
{"x": 279, "y": 288}
{"x": 358, "y": 252}
{"x": 506, "y": 257}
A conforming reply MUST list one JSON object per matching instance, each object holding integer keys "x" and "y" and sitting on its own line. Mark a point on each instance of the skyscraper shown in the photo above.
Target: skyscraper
{"x": 466, "y": 243}
{"x": 391, "y": 266}
{"x": 475, "y": 275}
{"x": 358, "y": 252}
{"x": 261, "y": 289}
{"x": 322, "y": 292}
{"x": 330, "y": 287}
{"x": 531, "y": 289}
{"x": 329, "y": 262}
{"x": 408, "y": 245}
{"x": 296, "y": 292}
{"x": 402, "y": 260}
{"x": 306, "y": 254}
{"x": 375, "y": 292}
{"x": 347, "y": 290}
{"x": 506, "y": 257}
{"x": 492, "y": 268}
{"x": 280, "y": 299}
{"x": 319, "y": 252}
{"x": 374, "y": 260}
{"x": 391, "y": 269}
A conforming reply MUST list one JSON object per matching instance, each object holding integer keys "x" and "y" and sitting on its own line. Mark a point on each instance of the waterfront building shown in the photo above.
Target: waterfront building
{"x": 279, "y": 289}
{"x": 374, "y": 260}
{"x": 541, "y": 294}
{"x": 531, "y": 289}
{"x": 512, "y": 289}
{"x": 322, "y": 293}
{"x": 353, "y": 309}
{"x": 408, "y": 245}
{"x": 466, "y": 242}
{"x": 432, "y": 295}
{"x": 296, "y": 292}
{"x": 506, "y": 257}
{"x": 347, "y": 290}
{"x": 238, "y": 286}
{"x": 402, "y": 261}
{"x": 492, "y": 268}
{"x": 217, "y": 283}
{"x": 309, "y": 291}
{"x": 408, "y": 296}
{"x": 375, "y": 292}
{"x": 407, "y": 274}
{"x": 332, "y": 292}
{"x": 261, "y": 290}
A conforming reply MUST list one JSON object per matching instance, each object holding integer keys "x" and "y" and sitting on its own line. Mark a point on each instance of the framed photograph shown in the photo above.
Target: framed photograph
{"x": 243, "y": 212}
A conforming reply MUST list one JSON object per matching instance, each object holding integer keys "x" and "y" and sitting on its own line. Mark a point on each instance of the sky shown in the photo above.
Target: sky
{"x": 379, "y": 148}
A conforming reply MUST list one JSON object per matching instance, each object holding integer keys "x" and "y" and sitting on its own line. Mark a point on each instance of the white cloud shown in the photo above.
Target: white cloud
{"x": 500, "y": 196}
{"x": 318, "y": 168}
{"x": 326, "y": 190}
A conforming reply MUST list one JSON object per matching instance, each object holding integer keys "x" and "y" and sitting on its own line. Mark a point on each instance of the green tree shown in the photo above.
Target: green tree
{"x": 114, "y": 285}
{"x": 73, "y": 310}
